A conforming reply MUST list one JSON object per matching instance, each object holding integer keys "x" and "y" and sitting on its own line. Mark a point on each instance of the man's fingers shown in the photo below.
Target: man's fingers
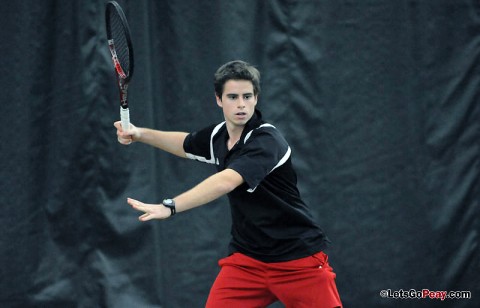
{"x": 145, "y": 217}
{"x": 124, "y": 141}
{"x": 151, "y": 211}
{"x": 140, "y": 206}
{"x": 121, "y": 131}
{"x": 123, "y": 137}
{"x": 135, "y": 204}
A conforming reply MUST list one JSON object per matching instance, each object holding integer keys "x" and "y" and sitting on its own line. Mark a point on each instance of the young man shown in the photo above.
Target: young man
{"x": 276, "y": 250}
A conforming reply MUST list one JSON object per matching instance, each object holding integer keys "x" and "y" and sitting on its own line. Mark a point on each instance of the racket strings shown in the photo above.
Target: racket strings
{"x": 120, "y": 41}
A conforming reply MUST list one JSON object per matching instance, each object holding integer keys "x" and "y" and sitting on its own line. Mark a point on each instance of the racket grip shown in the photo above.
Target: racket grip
{"x": 125, "y": 118}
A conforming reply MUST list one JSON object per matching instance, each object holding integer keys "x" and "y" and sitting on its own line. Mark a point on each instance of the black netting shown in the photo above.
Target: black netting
{"x": 379, "y": 101}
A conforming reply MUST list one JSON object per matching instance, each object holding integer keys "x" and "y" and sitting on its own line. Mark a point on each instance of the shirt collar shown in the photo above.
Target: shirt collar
{"x": 254, "y": 122}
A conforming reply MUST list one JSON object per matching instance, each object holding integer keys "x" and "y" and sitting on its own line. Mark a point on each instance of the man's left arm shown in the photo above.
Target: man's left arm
{"x": 206, "y": 191}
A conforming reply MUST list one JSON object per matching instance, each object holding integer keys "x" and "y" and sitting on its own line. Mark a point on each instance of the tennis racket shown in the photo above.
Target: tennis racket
{"x": 120, "y": 45}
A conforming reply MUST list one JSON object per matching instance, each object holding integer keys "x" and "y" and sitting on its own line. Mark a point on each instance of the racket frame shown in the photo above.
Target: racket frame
{"x": 123, "y": 78}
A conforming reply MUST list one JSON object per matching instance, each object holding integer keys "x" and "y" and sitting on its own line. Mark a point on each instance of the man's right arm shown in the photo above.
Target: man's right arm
{"x": 171, "y": 142}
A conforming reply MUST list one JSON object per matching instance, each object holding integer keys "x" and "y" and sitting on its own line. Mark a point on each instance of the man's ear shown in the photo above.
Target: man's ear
{"x": 219, "y": 101}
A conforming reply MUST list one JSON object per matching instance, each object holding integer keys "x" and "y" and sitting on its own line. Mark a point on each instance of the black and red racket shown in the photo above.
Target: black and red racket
{"x": 120, "y": 44}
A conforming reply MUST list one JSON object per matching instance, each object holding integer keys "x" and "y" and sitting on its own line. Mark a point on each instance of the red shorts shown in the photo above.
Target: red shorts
{"x": 244, "y": 282}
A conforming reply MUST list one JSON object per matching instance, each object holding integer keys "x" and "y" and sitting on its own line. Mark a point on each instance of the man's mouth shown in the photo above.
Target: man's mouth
{"x": 241, "y": 113}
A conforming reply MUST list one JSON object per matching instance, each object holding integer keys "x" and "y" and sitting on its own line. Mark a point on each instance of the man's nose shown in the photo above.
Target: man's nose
{"x": 241, "y": 103}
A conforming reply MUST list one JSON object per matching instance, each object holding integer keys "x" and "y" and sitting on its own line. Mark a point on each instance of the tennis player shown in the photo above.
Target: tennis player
{"x": 276, "y": 252}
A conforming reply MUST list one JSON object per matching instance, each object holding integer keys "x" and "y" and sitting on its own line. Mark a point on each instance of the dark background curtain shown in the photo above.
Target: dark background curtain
{"x": 379, "y": 101}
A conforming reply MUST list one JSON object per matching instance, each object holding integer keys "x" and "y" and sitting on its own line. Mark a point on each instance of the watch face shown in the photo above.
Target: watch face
{"x": 168, "y": 202}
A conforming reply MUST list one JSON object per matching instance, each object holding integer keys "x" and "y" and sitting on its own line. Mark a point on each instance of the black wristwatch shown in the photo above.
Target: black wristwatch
{"x": 170, "y": 203}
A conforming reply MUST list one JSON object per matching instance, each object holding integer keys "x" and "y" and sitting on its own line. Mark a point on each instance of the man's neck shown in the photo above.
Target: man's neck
{"x": 234, "y": 134}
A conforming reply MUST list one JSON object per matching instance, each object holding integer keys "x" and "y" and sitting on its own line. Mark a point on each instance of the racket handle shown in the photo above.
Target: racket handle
{"x": 125, "y": 118}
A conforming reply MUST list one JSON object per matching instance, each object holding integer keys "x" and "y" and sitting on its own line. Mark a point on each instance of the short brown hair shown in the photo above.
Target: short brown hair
{"x": 236, "y": 70}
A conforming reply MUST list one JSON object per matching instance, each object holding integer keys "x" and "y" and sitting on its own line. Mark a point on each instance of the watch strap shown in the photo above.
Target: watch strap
{"x": 170, "y": 203}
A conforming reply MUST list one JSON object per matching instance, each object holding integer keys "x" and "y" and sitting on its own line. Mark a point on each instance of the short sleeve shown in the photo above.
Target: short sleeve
{"x": 199, "y": 145}
{"x": 263, "y": 152}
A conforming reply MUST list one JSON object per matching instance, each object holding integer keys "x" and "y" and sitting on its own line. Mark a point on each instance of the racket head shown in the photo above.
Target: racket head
{"x": 119, "y": 39}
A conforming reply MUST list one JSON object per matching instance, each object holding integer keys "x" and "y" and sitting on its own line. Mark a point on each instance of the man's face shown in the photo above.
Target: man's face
{"x": 238, "y": 102}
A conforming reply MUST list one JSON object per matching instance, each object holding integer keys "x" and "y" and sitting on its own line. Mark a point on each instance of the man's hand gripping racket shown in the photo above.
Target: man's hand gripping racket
{"x": 120, "y": 45}
{"x": 129, "y": 136}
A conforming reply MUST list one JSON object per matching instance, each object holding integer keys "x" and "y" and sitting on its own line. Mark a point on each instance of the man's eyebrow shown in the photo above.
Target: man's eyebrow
{"x": 246, "y": 93}
{"x": 237, "y": 94}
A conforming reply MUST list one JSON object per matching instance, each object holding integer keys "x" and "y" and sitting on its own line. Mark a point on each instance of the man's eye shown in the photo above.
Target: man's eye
{"x": 232, "y": 97}
{"x": 247, "y": 96}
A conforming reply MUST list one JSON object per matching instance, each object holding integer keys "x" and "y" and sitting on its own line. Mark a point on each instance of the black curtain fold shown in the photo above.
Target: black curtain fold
{"x": 379, "y": 101}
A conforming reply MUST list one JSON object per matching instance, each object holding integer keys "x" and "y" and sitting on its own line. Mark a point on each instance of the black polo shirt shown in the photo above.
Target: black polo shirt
{"x": 270, "y": 222}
